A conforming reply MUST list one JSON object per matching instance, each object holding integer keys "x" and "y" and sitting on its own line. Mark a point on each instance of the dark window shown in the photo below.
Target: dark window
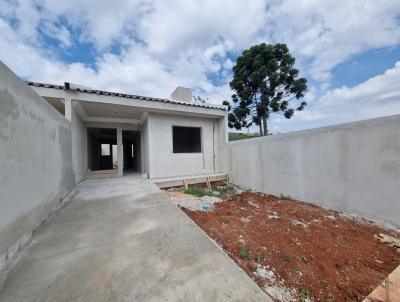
{"x": 186, "y": 139}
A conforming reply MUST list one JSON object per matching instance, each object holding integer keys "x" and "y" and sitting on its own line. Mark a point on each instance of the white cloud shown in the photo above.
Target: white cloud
{"x": 180, "y": 42}
{"x": 378, "y": 96}
{"x": 170, "y": 43}
{"x": 328, "y": 33}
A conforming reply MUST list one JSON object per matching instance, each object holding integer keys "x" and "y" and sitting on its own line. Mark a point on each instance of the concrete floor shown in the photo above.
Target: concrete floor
{"x": 123, "y": 240}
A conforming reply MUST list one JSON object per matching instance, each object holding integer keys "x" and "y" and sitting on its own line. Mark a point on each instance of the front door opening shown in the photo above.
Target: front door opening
{"x": 102, "y": 150}
{"x": 132, "y": 151}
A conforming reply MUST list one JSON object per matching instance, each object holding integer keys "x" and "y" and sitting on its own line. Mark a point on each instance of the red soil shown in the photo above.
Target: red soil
{"x": 335, "y": 258}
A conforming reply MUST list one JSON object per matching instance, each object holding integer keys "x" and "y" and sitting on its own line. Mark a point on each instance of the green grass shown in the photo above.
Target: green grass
{"x": 244, "y": 253}
{"x": 217, "y": 191}
{"x": 224, "y": 191}
{"x": 305, "y": 295}
{"x": 236, "y": 136}
{"x": 286, "y": 197}
{"x": 196, "y": 191}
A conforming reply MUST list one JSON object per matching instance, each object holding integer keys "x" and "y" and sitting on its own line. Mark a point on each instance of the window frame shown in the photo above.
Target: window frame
{"x": 200, "y": 143}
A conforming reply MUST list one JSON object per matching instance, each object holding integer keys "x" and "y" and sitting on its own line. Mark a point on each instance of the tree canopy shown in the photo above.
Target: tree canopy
{"x": 265, "y": 82}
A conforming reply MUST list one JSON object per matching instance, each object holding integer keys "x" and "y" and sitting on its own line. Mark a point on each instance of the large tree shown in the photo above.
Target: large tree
{"x": 265, "y": 82}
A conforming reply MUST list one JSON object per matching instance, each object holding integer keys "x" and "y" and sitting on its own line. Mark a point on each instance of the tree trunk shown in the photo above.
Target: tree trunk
{"x": 264, "y": 119}
{"x": 261, "y": 129}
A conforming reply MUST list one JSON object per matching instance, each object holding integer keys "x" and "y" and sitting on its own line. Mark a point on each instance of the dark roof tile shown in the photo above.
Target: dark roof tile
{"x": 129, "y": 96}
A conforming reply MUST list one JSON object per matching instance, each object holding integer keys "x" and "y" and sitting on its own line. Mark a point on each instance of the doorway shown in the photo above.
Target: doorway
{"x": 102, "y": 151}
{"x": 132, "y": 151}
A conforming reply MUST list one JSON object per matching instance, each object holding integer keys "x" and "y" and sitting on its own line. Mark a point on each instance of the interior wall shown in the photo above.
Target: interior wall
{"x": 97, "y": 161}
{"x": 139, "y": 152}
{"x": 163, "y": 162}
{"x": 130, "y": 138}
{"x": 36, "y": 169}
{"x": 352, "y": 167}
{"x": 93, "y": 155}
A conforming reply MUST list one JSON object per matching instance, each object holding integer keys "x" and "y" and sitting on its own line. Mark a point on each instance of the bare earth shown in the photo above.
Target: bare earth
{"x": 293, "y": 249}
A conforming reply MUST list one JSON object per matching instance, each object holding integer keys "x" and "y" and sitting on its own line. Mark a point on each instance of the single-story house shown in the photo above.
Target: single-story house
{"x": 116, "y": 134}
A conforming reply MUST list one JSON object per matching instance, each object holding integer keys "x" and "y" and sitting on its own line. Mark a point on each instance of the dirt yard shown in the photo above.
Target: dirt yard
{"x": 296, "y": 251}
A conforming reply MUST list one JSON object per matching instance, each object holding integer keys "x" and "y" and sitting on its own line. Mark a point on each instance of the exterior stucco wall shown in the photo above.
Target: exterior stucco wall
{"x": 79, "y": 146}
{"x": 164, "y": 163}
{"x": 221, "y": 158}
{"x": 145, "y": 148}
{"x": 352, "y": 167}
{"x": 36, "y": 169}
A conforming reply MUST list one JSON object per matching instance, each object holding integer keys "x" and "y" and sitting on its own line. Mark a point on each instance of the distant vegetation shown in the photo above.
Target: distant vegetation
{"x": 236, "y": 136}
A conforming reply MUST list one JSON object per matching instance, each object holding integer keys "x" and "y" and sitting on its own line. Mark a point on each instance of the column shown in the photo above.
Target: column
{"x": 68, "y": 107}
{"x": 120, "y": 153}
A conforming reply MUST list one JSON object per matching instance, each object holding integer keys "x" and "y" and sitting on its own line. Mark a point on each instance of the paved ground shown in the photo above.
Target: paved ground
{"x": 123, "y": 240}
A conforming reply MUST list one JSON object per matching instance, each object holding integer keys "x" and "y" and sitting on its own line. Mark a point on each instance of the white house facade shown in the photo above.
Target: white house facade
{"x": 116, "y": 134}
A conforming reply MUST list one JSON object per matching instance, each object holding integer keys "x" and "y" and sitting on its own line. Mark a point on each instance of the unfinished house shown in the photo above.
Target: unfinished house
{"x": 116, "y": 134}
{"x": 83, "y": 218}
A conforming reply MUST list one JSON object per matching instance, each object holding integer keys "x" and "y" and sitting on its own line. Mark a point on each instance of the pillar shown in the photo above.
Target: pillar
{"x": 68, "y": 108}
{"x": 120, "y": 152}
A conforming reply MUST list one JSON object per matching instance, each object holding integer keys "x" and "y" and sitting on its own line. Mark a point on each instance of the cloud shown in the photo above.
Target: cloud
{"x": 324, "y": 34}
{"x": 162, "y": 47}
{"x": 376, "y": 97}
{"x": 163, "y": 44}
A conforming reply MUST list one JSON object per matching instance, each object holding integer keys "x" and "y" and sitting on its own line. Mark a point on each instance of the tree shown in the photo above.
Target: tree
{"x": 264, "y": 82}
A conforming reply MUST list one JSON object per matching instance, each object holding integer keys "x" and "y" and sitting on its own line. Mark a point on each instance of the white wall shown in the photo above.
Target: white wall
{"x": 144, "y": 134}
{"x": 221, "y": 146}
{"x": 164, "y": 163}
{"x": 36, "y": 169}
{"x": 352, "y": 167}
{"x": 79, "y": 146}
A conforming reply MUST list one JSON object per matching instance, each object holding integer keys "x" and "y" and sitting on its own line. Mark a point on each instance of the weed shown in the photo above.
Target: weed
{"x": 223, "y": 191}
{"x": 216, "y": 190}
{"x": 286, "y": 197}
{"x": 305, "y": 295}
{"x": 295, "y": 270}
{"x": 196, "y": 191}
{"x": 258, "y": 258}
{"x": 244, "y": 253}
{"x": 304, "y": 258}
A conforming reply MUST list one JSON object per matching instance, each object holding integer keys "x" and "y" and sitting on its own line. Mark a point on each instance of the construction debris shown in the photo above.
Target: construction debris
{"x": 388, "y": 290}
{"x": 389, "y": 240}
{"x": 297, "y": 251}
{"x": 205, "y": 203}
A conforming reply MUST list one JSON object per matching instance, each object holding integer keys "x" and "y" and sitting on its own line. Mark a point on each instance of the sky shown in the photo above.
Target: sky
{"x": 349, "y": 51}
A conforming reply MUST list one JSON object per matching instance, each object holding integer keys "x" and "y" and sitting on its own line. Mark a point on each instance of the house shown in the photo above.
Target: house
{"x": 115, "y": 134}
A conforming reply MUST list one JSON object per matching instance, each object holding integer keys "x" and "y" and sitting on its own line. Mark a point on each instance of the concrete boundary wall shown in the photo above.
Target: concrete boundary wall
{"x": 36, "y": 166}
{"x": 354, "y": 167}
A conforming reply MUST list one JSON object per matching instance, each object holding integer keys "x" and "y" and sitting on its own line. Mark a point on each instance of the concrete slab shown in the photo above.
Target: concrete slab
{"x": 388, "y": 290}
{"x": 123, "y": 240}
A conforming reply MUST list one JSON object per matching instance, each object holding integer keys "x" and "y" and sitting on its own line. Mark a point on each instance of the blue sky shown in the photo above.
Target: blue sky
{"x": 361, "y": 67}
{"x": 349, "y": 53}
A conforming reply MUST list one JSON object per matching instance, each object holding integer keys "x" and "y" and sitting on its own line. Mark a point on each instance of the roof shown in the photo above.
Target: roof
{"x": 124, "y": 95}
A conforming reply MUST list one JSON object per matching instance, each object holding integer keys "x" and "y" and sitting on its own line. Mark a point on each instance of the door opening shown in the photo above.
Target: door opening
{"x": 132, "y": 151}
{"x": 102, "y": 152}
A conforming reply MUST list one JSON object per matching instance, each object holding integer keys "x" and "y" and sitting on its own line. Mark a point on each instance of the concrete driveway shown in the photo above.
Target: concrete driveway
{"x": 123, "y": 240}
